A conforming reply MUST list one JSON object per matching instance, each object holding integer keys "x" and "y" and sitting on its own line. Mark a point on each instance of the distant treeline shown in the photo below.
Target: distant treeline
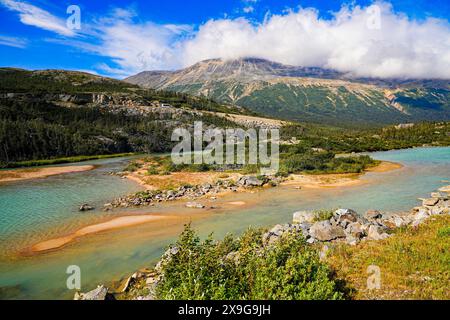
{"x": 31, "y": 131}
{"x": 341, "y": 140}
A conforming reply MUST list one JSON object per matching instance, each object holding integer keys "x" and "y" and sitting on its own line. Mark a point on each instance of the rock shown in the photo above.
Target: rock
{"x": 86, "y": 207}
{"x": 439, "y": 210}
{"x": 395, "y": 221}
{"x": 250, "y": 181}
{"x": 340, "y": 212}
{"x": 324, "y": 231}
{"x": 303, "y": 216}
{"x": 194, "y": 205}
{"x": 344, "y": 216}
{"x": 372, "y": 215}
{"x": 274, "y": 234}
{"x": 376, "y": 233}
{"x": 440, "y": 195}
{"x": 355, "y": 230}
{"x": 166, "y": 258}
{"x": 100, "y": 293}
{"x": 430, "y": 202}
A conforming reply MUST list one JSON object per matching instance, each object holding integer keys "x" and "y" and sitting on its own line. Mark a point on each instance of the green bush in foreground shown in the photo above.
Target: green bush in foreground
{"x": 243, "y": 268}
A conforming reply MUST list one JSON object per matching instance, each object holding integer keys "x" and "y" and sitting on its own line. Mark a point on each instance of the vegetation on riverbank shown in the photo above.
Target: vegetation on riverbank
{"x": 36, "y": 163}
{"x": 341, "y": 140}
{"x": 306, "y": 162}
{"x": 242, "y": 268}
{"x": 414, "y": 263}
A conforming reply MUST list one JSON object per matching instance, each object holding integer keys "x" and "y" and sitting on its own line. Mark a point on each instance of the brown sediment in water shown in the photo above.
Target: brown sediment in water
{"x": 35, "y": 173}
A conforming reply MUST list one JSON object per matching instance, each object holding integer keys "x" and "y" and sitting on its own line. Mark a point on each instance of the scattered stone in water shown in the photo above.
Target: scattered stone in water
{"x": 194, "y": 205}
{"x": 86, "y": 207}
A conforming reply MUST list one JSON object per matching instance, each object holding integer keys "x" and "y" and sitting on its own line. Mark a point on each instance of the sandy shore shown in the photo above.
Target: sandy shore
{"x": 385, "y": 166}
{"x": 336, "y": 180}
{"x": 34, "y": 173}
{"x": 116, "y": 223}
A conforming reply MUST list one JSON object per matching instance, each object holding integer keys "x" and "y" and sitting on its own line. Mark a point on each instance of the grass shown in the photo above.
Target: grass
{"x": 35, "y": 163}
{"x": 322, "y": 215}
{"x": 414, "y": 263}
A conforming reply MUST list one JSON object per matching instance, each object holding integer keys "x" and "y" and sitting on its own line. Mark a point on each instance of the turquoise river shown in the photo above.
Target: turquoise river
{"x": 42, "y": 209}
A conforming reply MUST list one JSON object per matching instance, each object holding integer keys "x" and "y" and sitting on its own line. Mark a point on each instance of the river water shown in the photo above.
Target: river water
{"x": 40, "y": 209}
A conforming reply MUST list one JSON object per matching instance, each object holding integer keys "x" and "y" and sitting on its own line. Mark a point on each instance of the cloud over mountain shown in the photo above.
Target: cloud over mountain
{"x": 372, "y": 41}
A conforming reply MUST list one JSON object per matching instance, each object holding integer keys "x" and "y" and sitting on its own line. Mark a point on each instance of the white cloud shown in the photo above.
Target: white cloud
{"x": 350, "y": 42}
{"x": 13, "y": 42}
{"x": 34, "y": 16}
{"x": 356, "y": 40}
{"x": 248, "y": 9}
{"x": 136, "y": 47}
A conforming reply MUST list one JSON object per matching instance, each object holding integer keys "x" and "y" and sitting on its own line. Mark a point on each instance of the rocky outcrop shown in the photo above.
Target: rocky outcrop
{"x": 250, "y": 181}
{"x": 325, "y": 231}
{"x": 348, "y": 226}
{"x": 99, "y": 293}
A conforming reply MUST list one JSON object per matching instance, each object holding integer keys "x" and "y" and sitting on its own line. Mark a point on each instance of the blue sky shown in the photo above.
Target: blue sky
{"x": 120, "y": 38}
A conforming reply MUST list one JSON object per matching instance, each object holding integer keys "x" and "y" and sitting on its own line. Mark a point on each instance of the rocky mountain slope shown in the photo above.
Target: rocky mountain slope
{"x": 57, "y": 113}
{"x": 306, "y": 94}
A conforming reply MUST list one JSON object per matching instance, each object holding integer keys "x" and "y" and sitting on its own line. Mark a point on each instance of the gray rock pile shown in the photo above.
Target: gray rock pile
{"x": 150, "y": 197}
{"x": 346, "y": 225}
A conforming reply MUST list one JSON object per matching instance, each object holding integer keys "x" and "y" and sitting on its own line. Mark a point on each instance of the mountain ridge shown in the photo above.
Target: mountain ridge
{"x": 306, "y": 93}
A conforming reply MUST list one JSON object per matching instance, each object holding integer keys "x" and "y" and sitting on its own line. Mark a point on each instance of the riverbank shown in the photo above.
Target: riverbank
{"x": 410, "y": 252}
{"x": 74, "y": 159}
{"x": 37, "y": 173}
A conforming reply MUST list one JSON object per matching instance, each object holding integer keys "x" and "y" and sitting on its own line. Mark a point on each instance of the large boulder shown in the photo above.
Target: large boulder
{"x": 355, "y": 230}
{"x": 324, "y": 231}
{"x": 372, "y": 215}
{"x": 343, "y": 217}
{"x": 430, "y": 202}
{"x": 440, "y": 195}
{"x": 303, "y": 216}
{"x": 376, "y": 233}
{"x": 99, "y": 293}
{"x": 275, "y": 233}
{"x": 250, "y": 181}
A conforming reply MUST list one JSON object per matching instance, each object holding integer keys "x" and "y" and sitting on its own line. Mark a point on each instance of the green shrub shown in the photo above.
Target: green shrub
{"x": 322, "y": 215}
{"x": 241, "y": 268}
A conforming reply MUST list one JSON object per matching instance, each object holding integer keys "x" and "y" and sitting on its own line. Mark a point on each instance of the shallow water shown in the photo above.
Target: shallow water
{"x": 49, "y": 206}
